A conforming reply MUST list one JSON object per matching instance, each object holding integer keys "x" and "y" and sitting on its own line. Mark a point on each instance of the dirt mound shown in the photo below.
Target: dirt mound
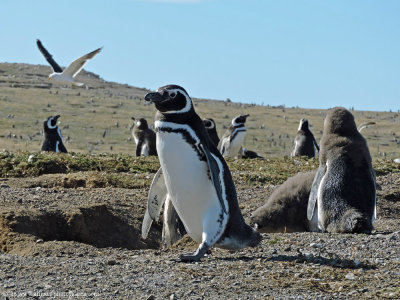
{"x": 94, "y": 225}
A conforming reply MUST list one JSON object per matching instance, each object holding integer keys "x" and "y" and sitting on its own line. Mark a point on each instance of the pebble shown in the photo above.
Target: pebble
{"x": 350, "y": 276}
{"x": 315, "y": 245}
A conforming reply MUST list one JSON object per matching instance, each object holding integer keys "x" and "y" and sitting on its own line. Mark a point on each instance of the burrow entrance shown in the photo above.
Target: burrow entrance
{"x": 94, "y": 225}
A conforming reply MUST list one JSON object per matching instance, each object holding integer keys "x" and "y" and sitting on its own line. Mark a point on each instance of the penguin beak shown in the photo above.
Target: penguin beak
{"x": 245, "y": 116}
{"x": 56, "y": 117}
{"x": 154, "y": 97}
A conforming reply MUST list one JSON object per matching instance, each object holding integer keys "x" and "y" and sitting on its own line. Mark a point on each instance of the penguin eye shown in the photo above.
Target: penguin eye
{"x": 172, "y": 95}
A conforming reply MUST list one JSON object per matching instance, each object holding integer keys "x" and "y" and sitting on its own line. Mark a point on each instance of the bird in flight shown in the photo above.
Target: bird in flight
{"x": 68, "y": 75}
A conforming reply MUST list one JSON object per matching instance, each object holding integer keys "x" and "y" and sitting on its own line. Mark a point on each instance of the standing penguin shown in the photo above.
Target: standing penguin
{"x": 197, "y": 178}
{"x": 232, "y": 141}
{"x": 145, "y": 138}
{"x": 304, "y": 142}
{"x": 52, "y": 136}
{"x": 211, "y": 129}
{"x": 343, "y": 193}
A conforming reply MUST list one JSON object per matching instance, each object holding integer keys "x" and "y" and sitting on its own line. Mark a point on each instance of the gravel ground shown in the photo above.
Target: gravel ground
{"x": 85, "y": 243}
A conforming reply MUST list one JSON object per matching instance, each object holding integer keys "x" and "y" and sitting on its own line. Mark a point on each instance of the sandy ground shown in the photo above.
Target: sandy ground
{"x": 61, "y": 242}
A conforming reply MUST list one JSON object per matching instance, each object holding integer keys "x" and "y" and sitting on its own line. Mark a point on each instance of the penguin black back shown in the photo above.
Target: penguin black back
{"x": 304, "y": 142}
{"x": 52, "y": 136}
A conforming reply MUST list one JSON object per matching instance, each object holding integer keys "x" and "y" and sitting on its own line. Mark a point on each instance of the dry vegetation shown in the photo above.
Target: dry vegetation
{"x": 27, "y": 98}
{"x": 70, "y": 223}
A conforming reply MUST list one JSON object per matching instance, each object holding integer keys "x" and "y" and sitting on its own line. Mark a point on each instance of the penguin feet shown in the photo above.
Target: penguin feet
{"x": 203, "y": 249}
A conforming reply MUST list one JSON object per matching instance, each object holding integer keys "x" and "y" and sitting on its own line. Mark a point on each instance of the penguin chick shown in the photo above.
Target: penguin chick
{"x": 286, "y": 208}
{"x": 343, "y": 193}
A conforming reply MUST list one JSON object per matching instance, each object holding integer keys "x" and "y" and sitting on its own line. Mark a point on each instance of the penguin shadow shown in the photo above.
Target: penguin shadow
{"x": 333, "y": 261}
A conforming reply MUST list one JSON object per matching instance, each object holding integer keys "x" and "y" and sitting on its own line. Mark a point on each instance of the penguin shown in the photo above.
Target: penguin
{"x": 286, "y": 208}
{"x": 343, "y": 192}
{"x": 209, "y": 124}
{"x": 144, "y": 137}
{"x": 304, "y": 142}
{"x": 249, "y": 154}
{"x": 197, "y": 178}
{"x": 52, "y": 136}
{"x": 232, "y": 141}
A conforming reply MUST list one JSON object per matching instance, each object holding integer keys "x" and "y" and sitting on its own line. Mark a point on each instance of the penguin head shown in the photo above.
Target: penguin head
{"x": 304, "y": 125}
{"x": 141, "y": 123}
{"x": 171, "y": 99}
{"x": 340, "y": 121}
{"x": 239, "y": 120}
{"x": 209, "y": 123}
{"x": 51, "y": 123}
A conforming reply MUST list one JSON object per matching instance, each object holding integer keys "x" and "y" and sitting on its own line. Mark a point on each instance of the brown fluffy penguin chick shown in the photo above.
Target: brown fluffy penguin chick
{"x": 343, "y": 194}
{"x": 286, "y": 208}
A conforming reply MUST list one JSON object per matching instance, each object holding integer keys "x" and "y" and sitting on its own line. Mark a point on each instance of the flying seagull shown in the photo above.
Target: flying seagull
{"x": 68, "y": 75}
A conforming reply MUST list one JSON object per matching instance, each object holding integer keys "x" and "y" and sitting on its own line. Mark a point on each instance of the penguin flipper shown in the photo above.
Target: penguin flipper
{"x": 312, "y": 200}
{"x": 173, "y": 229}
{"x": 62, "y": 148}
{"x": 157, "y": 195}
{"x": 215, "y": 172}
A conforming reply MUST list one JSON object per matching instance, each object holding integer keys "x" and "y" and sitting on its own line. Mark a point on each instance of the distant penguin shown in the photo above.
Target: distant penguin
{"x": 52, "y": 136}
{"x": 197, "y": 178}
{"x": 304, "y": 142}
{"x": 249, "y": 154}
{"x": 211, "y": 129}
{"x": 145, "y": 138}
{"x": 343, "y": 193}
{"x": 232, "y": 141}
{"x": 286, "y": 208}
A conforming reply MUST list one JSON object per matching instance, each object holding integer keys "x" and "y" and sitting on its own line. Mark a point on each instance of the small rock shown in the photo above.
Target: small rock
{"x": 151, "y": 297}
{"x": 39, "y": 241}
{"x": 172, "y": 297}
{"x": 30, "y": 158}
{"x": 111, "y": 262}
{"x": 350, "y": 276}
{"x": 315, "y": 245}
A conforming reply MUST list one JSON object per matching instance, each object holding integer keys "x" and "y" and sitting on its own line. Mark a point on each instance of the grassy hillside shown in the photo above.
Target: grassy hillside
{"x": 27, "y": 98}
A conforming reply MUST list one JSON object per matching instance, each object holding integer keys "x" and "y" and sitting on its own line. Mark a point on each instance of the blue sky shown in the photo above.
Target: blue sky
{"x": 314, "y": 53}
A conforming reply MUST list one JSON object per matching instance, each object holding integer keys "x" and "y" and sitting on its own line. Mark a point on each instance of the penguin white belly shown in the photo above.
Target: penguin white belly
{"x": 190, "y": 187}
{"x": 236, "y": 143}
{"x": 145, "y": 150}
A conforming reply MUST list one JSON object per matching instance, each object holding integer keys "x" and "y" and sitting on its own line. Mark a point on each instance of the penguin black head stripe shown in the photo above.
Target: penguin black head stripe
{"x": 171, "y": 99}
{"x": 239, "y": 120}
{"x": 304, "y": 125}
{"x": 52, "y": 136}
{"x": 141, "y": 123}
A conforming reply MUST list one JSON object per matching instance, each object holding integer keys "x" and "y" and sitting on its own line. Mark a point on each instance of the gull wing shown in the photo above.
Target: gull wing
{"x": 48, "y": 57}
{"x": 76, "y": 66}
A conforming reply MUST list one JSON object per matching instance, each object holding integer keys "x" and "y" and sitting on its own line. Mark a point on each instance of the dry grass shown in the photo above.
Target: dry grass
{"x": 27, "y": 98}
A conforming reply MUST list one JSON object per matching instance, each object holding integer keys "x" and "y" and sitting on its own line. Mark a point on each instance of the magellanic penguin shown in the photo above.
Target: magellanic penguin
{"x": 197, "y": 178}
{"x": 209, "y": 124}
{"x": 286, "y": 208}
{"x": 144, "y": 137}
{"x": 343, "y": 193}
{"x": 232, "y": 141}
{"x": 304, "y": 142}
{"x": 52, "y": 136}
